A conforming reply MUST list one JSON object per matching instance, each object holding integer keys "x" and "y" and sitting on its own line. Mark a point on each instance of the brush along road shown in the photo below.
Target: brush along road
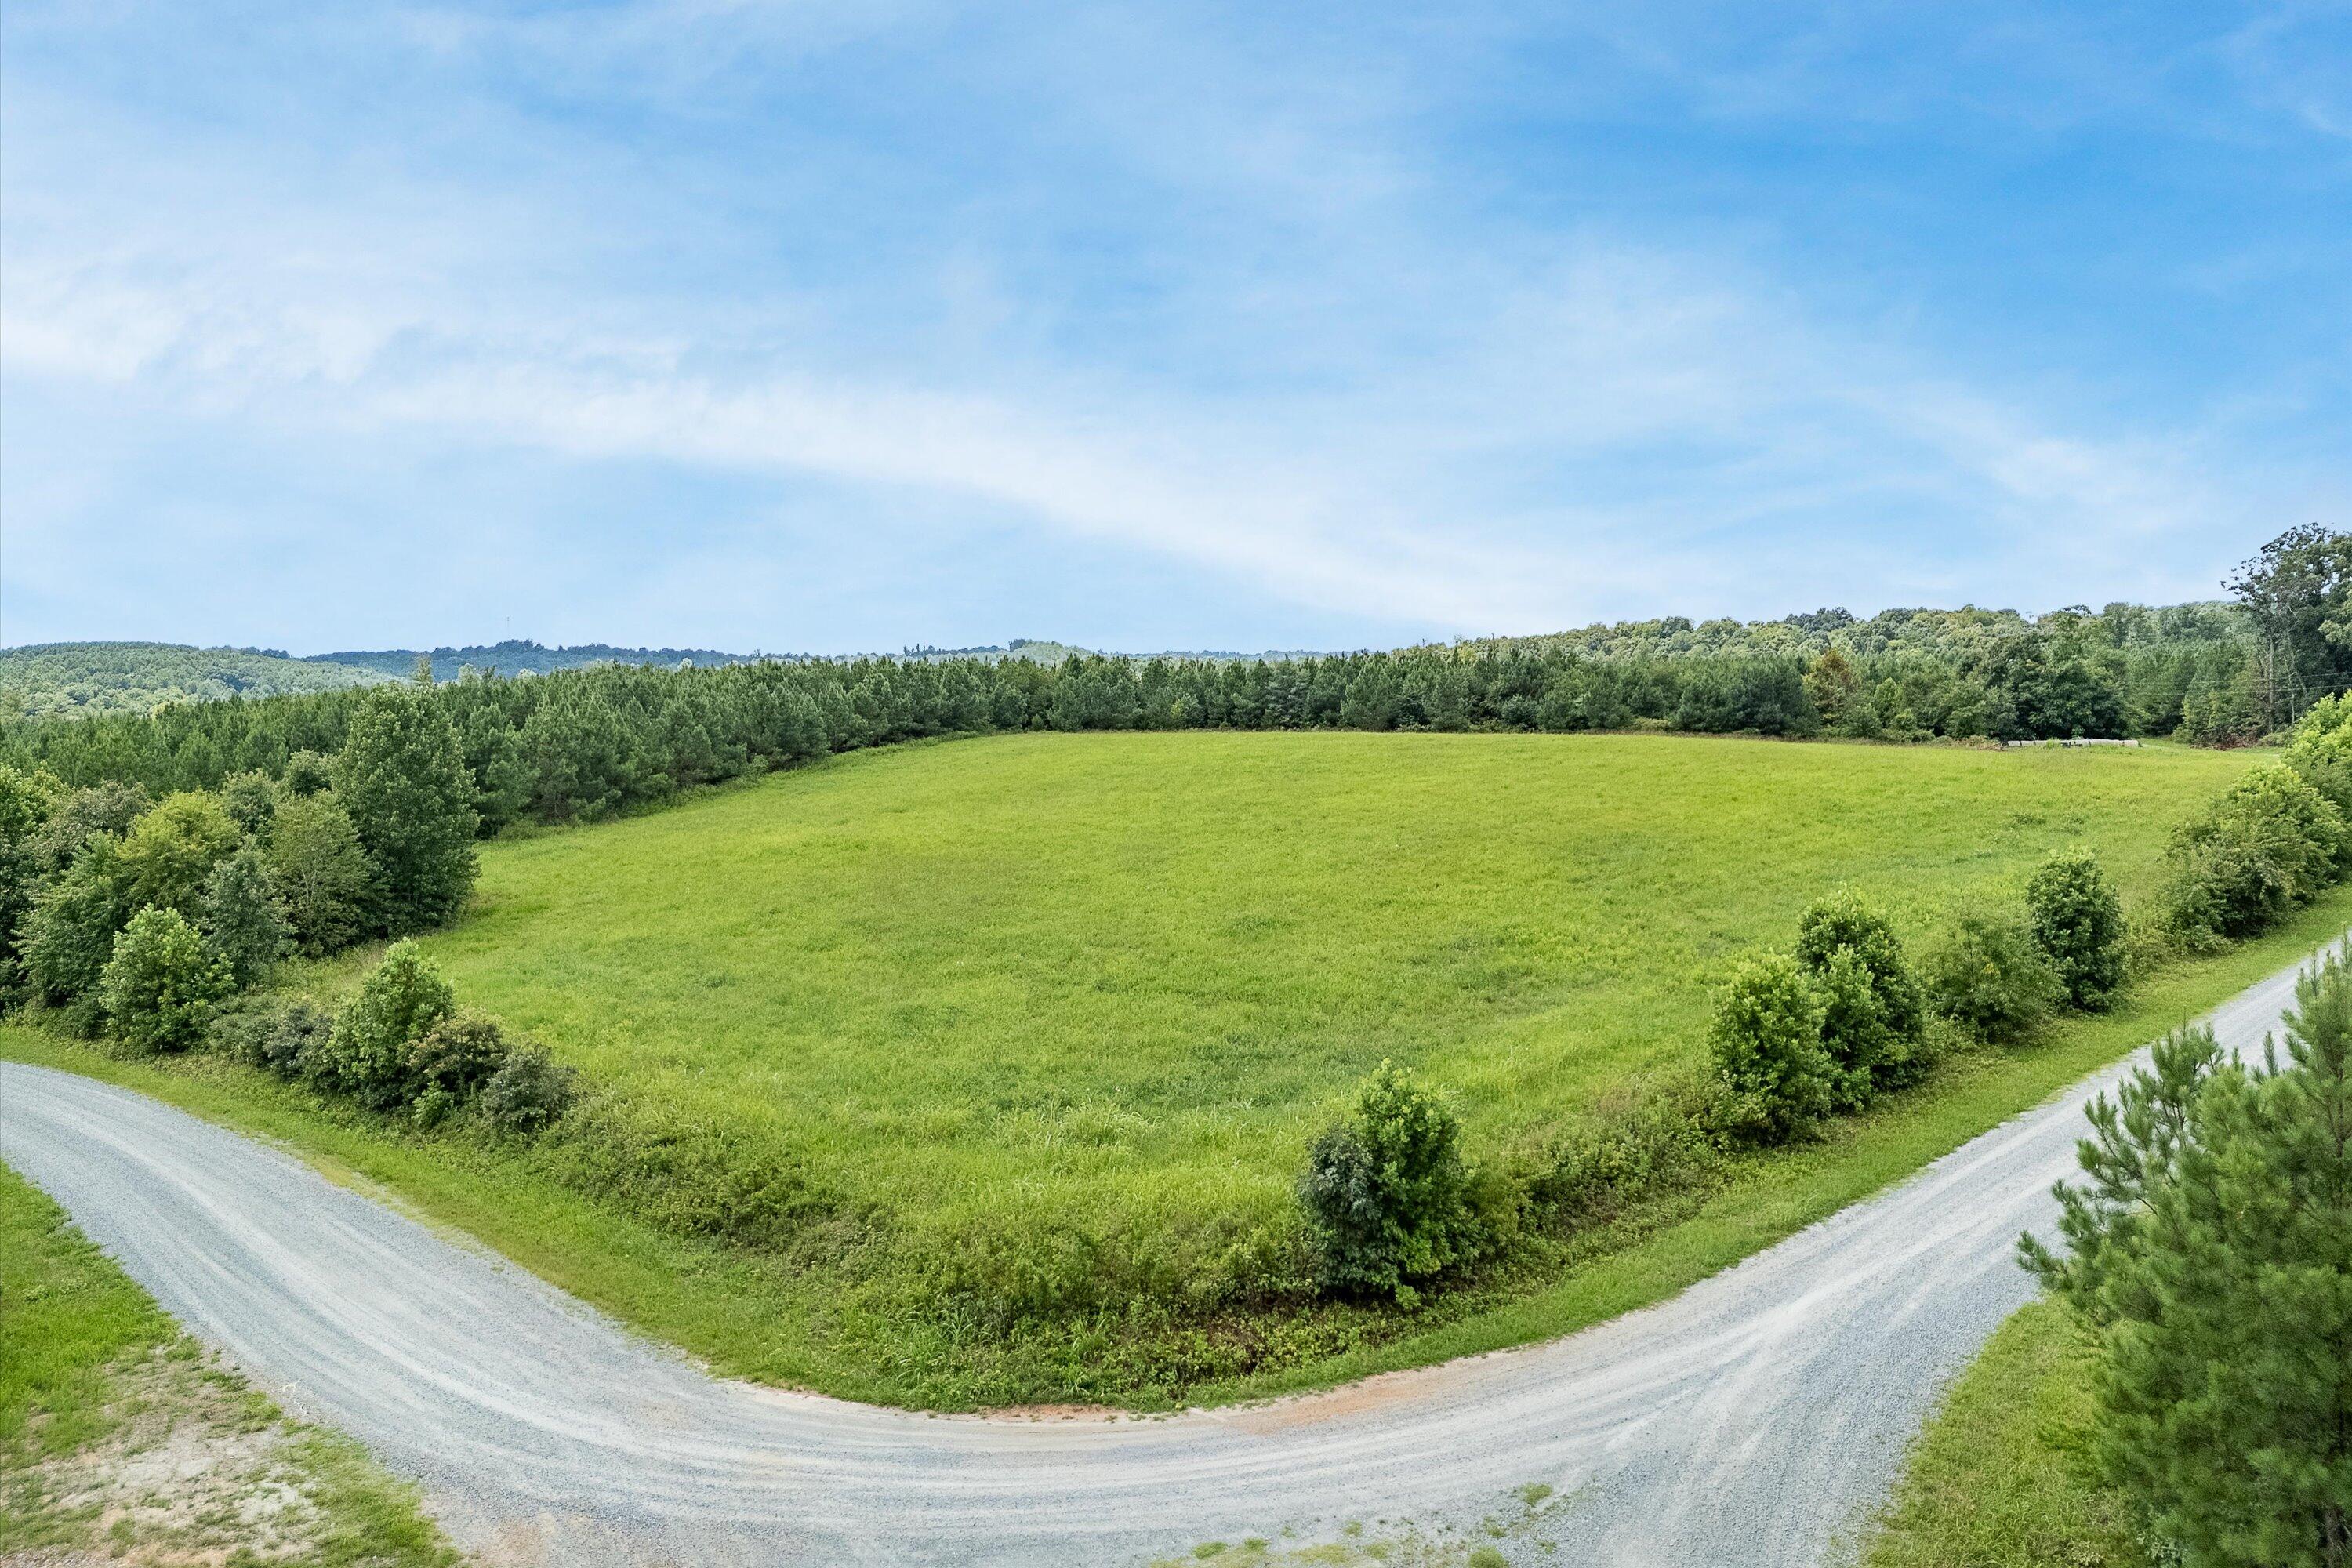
{"x": 1753, "y": 1419}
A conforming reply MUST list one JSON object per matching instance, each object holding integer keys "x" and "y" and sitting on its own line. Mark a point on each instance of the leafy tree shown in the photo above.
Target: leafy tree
{"x": 162, "y": 983}
{"x": 1766, "y": 1040}
{"x": 2298, "y": 594}
{"x": 367, "y": 1052}
{"x": 2078, "y": 920}
{"x": 242, "y": 918}
{"x": 170, "y": 851}
{"x": 317, "y": 867}
{"x": 108, "y": 809}
{"x": 308, "y": 773}
{"x": 251, "y": 800}
{"x": 27, "y": 800}
{"x": 1388, "y": 1195}
{"x": 70, "y": 934}
{"x": 404, "y": 780}
{"x": 1833, "y": 681}
{"x": 2210, "y": 1249}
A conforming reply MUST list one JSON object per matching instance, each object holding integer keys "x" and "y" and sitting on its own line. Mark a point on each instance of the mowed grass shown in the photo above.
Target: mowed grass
{"x": 1103, "y": 976}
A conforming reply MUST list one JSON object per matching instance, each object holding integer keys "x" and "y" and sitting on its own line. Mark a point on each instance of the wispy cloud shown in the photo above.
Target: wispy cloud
{"x": 1301, "y": 322}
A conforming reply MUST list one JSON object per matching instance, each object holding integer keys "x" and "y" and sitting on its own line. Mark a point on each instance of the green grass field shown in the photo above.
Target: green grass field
{"x": 1101, "y": 975}
{"x": 120, "y": 1438}
{"x": 1028, "y": 1011}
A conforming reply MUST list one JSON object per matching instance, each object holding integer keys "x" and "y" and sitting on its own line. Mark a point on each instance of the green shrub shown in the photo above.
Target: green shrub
{"x": 1848, "y": 919}
{"x": 1662, "y": 1136}
{"x": 449, "y": 1065}
{"x": 528, "y": 1092}
{"x": 367, "y": 1052}
{"x": 1388, "y": 1196}
{"x": 2271, "y": 843}
{"x": 1766, "y": 1041}
{"x": 1989, "y": 977}
{"x": 2078, "y": 920}
{"x": 1856, "y": 1035}
{"x": 161, "y": 986}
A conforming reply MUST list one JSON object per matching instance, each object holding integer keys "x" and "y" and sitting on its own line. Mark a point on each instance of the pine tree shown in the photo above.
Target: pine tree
{"x": 403, "y": 781}
{"x": 2212, "y": 1252}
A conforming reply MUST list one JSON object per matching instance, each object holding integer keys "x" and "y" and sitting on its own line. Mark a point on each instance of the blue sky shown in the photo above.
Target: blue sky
{"x": 839, "y": 326}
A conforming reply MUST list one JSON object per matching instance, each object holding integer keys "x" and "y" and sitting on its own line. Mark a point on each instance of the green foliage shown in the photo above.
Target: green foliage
{"x": 1860, "y": 1043}
{"x": 2269, "y": 843}
{"x": 2077, "y": 919}
{"x": 276, "y": 1034}
{"x": 403, "y": 779}
{"x": 1766, "y": 1040}
{"x": 170, "y": 852}
{"x": 160, "y": 987}
{"x": 450, "y": 1063}
{"x": 1990, "y": 977}
{"x": 242, "y": 917}
{"x": 70, "y": 934}
{"x": 530, "y": 1091}
{"x": 367, "y": 1053}
{"x": 308, "y": 773}
{"x": 251, "y": 800}
{"x": 107, "y": 809}
{"x": 2211, "y": 1249}
{"x": 1388, "y": 1195}
{"x": 317, "y": 867}
{"x": 1879, "y": 1040}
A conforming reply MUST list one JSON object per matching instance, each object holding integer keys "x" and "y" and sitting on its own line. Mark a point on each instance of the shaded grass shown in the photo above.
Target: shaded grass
{"x": 92, "y": 1372}
{"x": 853, "y": 1312}
{"x": 2001, "y": 1477}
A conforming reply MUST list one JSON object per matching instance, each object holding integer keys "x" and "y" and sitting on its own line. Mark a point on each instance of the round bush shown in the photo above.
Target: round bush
{"x": 366, "y": 1053}
{"x": 2078, "y": 920}
{"x": 530, "y": 1091}
{"x": 1990, "y": 978}
{"x": 1767, "y": 1044}
{"x": 1388, "y": 1196}
{"x": 161, "y": 986}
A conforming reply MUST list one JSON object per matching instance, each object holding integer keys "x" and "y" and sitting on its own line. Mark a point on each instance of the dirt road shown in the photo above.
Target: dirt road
{"x": 1752, "y": 1419}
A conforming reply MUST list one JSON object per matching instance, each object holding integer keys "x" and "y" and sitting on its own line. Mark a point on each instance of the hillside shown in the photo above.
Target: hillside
{"x": 76, "y": 679}
{"x": 521, "y": 656}
{"x": 1010, "y": 1031}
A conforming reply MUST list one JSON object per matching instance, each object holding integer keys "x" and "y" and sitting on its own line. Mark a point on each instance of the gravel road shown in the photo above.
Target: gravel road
{"x": 1753, "y": 1419}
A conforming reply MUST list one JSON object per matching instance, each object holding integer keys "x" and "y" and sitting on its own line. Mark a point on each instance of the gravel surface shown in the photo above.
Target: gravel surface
{"x": 1754, "y": 1418}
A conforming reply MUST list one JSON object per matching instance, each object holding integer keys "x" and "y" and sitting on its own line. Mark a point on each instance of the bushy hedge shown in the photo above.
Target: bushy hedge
{"x": 1990, "y": 977}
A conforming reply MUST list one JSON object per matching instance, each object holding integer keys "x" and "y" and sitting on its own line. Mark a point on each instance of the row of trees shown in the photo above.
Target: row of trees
{"x": 142, "y": 915}
{"x": 582, "y": 744}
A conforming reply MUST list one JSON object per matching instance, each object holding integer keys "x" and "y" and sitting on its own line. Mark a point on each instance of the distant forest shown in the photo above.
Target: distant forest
{"x": 2217, "y": 673}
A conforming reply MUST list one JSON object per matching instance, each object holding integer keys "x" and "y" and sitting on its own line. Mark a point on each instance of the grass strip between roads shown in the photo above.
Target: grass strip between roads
{"x": 724, "y": 1306}
{"x": 120, "y": 1436}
